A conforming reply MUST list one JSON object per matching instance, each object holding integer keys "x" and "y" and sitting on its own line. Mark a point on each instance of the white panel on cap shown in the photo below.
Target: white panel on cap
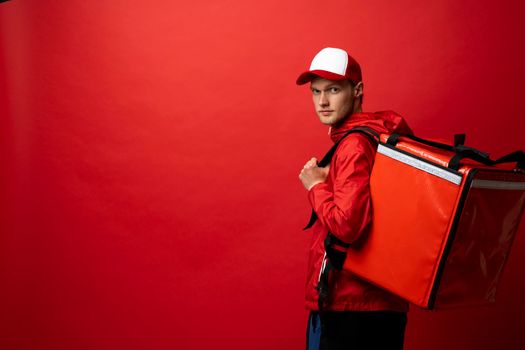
{"x": 330, "y": 60}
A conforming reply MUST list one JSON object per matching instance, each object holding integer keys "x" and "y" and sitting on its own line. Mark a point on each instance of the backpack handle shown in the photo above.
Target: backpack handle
{"x": 459, "y": 139}
{"x": 461, "y": 151}
{"x": 518, "y": 157}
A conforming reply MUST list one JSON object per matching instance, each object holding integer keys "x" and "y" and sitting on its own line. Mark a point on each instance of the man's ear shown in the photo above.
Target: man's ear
{"x": 358, "y": 89}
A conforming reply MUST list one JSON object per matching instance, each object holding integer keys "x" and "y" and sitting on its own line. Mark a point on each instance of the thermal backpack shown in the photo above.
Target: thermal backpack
{"x": 444, "y": 220}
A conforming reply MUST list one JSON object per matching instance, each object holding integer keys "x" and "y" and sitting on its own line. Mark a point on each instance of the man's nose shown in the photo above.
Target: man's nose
{"x": 323, "y": 101}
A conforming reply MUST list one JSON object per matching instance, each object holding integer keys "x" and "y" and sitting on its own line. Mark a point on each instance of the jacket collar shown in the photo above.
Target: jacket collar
{"x": 381, "y": 122}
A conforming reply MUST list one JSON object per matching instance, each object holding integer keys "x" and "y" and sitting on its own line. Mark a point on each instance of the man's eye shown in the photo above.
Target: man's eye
{"x": 334, "y": 90}
{"x": 315, "y": 91}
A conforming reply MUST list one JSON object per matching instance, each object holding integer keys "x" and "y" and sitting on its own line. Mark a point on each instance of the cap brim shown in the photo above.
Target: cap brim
{"x": 308, "y": 76}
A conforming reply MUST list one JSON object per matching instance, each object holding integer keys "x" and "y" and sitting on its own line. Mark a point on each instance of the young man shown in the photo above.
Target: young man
{"x": 355, "y": 314}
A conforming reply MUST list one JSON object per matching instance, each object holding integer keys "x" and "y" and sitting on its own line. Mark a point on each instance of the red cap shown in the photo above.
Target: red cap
{"x": 332, "y": 64}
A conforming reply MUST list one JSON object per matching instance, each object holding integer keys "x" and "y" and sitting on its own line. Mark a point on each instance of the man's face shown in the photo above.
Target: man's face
{"x": 333, "y": 100}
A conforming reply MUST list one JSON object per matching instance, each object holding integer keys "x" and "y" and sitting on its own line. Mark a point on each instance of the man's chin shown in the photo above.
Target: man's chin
{"x": 326, "y": 120}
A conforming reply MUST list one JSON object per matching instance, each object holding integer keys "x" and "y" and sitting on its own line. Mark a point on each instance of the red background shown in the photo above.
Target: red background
{"x": 150, "y": 151}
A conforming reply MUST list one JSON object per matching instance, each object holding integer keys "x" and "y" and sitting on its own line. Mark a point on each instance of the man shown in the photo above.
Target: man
{"x": 355, "y": 314}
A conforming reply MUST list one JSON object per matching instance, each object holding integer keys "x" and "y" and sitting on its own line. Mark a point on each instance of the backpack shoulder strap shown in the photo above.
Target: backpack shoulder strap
{"x": 372, "y": 135}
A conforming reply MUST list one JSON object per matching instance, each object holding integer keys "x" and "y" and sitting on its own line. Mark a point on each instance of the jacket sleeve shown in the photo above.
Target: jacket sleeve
{"x": 345, "y": 208}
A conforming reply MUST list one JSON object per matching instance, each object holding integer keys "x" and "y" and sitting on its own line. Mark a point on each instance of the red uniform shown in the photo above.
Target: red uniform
{"x": 344, "y": 208}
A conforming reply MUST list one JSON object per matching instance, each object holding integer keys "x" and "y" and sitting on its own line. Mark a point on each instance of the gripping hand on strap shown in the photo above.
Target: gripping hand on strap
{"x": 312, "y": 174}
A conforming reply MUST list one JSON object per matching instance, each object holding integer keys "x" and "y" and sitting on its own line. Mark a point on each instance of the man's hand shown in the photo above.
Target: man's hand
{"x": 311, "y": 174}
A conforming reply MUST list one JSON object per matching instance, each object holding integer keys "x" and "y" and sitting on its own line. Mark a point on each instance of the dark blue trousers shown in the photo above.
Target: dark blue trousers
{"x": 356, "y": 330}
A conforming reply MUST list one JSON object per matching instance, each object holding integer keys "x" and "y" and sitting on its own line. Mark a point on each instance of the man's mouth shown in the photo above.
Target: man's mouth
{"x": 326, "y": 112}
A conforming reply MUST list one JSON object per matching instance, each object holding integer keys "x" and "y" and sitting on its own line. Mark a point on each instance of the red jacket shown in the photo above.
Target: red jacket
{"x": 343, "y": 206}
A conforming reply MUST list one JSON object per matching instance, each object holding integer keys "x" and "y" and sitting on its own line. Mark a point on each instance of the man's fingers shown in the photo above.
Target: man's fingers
{"x": 311, "y": 163}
